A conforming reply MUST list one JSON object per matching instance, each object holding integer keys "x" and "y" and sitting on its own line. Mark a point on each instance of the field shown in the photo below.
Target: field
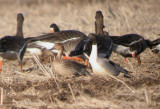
{"x": 37, "y": 87}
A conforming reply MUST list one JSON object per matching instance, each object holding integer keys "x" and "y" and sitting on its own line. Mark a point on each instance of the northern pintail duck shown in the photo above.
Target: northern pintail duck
{"x": 155, "y": 46}
{"x": 54, "y": 28}
{"x": 103, "y": 66}
{"x": 13, "y": 47}
{"x": 67, "y": 67}
{"x": 130, "y": 45}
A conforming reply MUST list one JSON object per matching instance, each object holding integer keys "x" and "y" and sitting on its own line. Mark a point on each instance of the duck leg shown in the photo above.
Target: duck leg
{"x": 21, "y": 67}
{"x": 64, "y": 58}
{"x": 76, "y": 59}
{"x": 126, "y": 60}
{"x": 0, "y": 66}
{"x": 86, "y": 63}
{"x": 138, "y": 60}
{"x": 51, "y": 30}
{"x": 72, "y": 58}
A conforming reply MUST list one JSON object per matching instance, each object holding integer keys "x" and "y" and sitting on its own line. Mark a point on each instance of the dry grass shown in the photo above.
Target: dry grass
{"x": 38, "y": 87}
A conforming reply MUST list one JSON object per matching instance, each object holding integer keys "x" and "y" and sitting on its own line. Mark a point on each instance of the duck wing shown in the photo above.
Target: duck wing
{"x": 11, "y": 43}
{"x": 155, "y": 42}
{"x": 57, "y": 36}
{"x": 125, "y": 40}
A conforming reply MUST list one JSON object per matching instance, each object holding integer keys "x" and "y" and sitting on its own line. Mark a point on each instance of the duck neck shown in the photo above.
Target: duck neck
{"x": 19, "y": 28}
{"x": 93, "y": 55}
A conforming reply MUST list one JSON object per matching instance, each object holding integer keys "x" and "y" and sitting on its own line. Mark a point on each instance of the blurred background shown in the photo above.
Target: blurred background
{"x": 120, "y": 16}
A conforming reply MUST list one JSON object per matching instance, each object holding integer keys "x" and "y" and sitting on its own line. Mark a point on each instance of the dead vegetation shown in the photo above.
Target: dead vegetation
{"x": 39, "y": 87}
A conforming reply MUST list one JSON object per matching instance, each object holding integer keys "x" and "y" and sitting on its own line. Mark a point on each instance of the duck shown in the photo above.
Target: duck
{"x": 67, "y": 67}
{"x": 103, "y": 66}
{"x": 155, "y": 46}
{"x": 68, "y": 45}
{"x": 69, "y": 38}
{"x": 104, "y": 44}
{"x": 48, "y": 40}
{"x": 130, "y": 45}
{"x": 14, "y": 47}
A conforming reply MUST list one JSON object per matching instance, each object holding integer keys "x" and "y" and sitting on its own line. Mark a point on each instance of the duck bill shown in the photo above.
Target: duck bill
{"x": 51, "y": 30}
{"x": 0, "y": 66}
{"x": 133, "y": 55}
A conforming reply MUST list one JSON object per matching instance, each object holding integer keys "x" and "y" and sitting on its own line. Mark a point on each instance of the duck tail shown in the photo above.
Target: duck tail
{"x": 126, "y": 74}
{"x": 154, "y": 43}
{"x": 120, "y": 69}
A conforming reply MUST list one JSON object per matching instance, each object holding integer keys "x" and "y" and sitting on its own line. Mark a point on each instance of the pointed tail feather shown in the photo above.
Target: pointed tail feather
{"x": 126, "y": 74}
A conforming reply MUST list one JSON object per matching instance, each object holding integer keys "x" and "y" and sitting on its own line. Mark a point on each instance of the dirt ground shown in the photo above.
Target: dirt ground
{"x": 37, "y": 87}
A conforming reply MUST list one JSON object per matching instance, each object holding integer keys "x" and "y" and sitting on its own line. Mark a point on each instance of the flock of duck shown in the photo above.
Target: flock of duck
{"x": 72, "y": 46}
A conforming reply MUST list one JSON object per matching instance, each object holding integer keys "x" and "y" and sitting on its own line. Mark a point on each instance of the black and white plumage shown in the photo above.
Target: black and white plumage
{"x": 104, "y": 44}
{"x": 13, "y": 47}
{"x": 103, "y": 66}
{"x": 130, "y": 45}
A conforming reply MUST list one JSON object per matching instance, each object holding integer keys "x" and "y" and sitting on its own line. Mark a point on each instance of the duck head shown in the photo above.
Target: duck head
{"x": 20, "y": 20}
{"x": 99, "y": 15}
{"x": 20, "y": 17}
{"x": 54, "y": 28}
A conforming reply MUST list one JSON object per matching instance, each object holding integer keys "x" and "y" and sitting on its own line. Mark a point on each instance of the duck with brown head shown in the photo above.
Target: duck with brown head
{"x": 67, "y": 67}
{"x": 103, "y": 66}
{"x": 13, "y": 47}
